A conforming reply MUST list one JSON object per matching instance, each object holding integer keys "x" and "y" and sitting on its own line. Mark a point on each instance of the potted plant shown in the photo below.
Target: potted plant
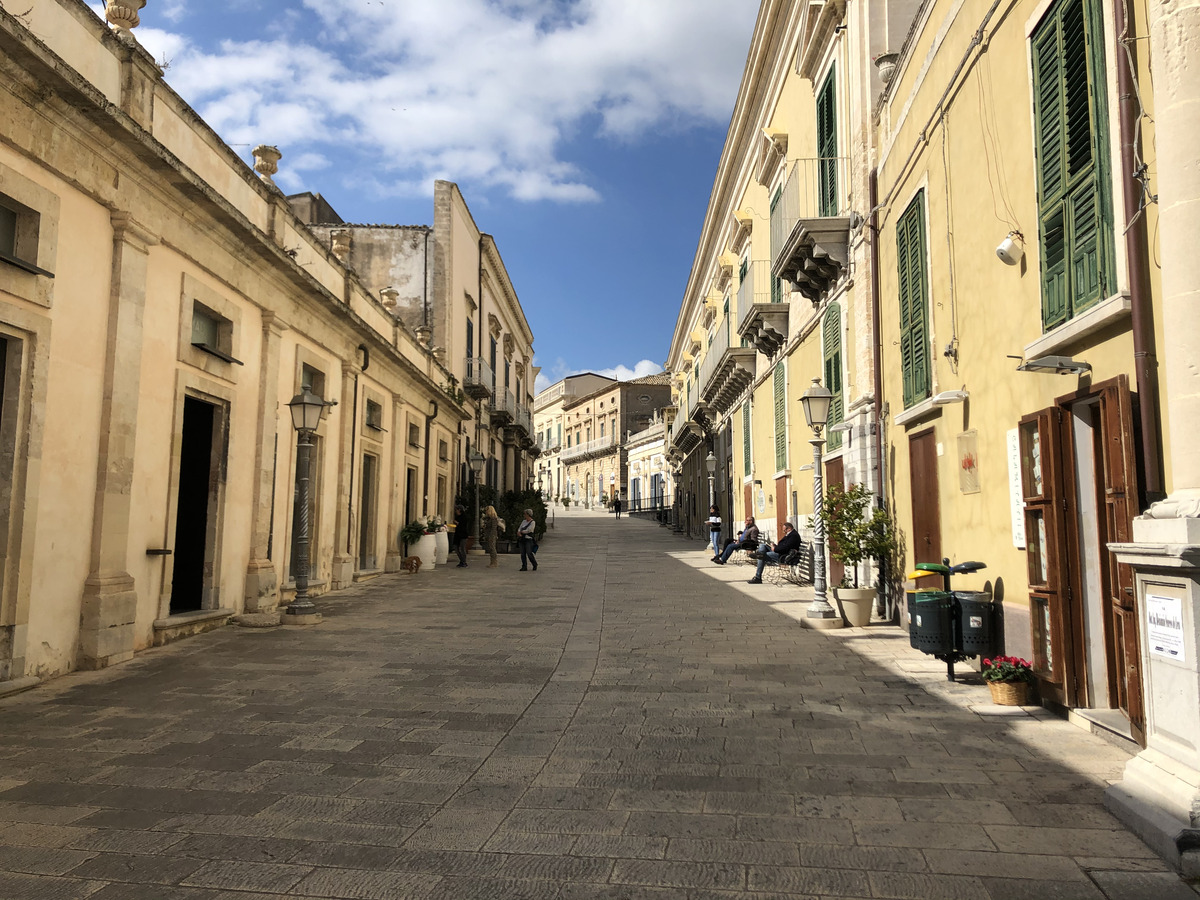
{"x": 1008, "y": 678}
{"x": 856, "y": 533}
{"x": 441, "y": 539}
{"x": 419, "y": 541}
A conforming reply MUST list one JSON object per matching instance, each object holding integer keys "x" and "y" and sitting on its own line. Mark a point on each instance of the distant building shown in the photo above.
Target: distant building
{"x": 648, "y": 472}
{"x": 448, "y": 284}
{"x": 548, "y": 426}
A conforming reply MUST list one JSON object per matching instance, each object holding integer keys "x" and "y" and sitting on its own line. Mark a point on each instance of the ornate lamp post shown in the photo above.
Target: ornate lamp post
{"x": 475, "y": 461}
{"x": 307, "y": 409}
{"x": 677, "y": 499}
{"x": 710, "y": 463}
{"x": 816, "y": 401}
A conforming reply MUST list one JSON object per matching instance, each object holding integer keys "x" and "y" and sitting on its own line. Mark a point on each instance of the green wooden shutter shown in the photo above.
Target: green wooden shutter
{"x": 831, "y": 352}
{"x": 914, "y": 326}
{"x": 827, "y": 147}
{"x": 1075, "y": 231}
{"x": 776, "y": 283}
{"x": 780, "y": 386}
{"x": 746, "y": 440}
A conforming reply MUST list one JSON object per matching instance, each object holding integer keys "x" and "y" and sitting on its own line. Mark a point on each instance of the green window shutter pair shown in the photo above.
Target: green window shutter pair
{"x": 776, "y": 283}
{"x": 914, "y": 306}
{"x": 780, "y": 385}
{"x": 831, "y": 352}
{"x": 1075, "y": 229}
{"x": 827, "y": 148}
{"x": 746, "y": 440}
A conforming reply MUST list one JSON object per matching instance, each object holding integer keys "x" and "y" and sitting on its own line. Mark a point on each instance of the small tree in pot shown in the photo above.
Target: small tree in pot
{"x": 856, "y": 533}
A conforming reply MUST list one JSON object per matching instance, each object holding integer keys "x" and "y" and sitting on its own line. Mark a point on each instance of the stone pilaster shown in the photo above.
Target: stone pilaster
{"x": 262, "y": 579}
{"x": 1159, "y": 797}
{"x": 343, "y": 559}
{"x": 109, "y": 603}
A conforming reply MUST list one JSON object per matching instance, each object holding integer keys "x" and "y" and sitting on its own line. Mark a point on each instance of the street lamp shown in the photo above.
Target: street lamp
{"x": 307, "y": 409}
{"x": 475, "y": 461}
{"x": 816, "y": 402}
{"x": 710, "y": 463}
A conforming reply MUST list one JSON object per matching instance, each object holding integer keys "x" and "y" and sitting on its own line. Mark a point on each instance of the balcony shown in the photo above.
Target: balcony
{"x": 522, "y": 420}
{"x": 477, "y": 379}
{"x": 727, "y": 371}
{"x": 504, "y": 410}
{"x": 810, "y": 226}
{"x": 686, "y": 436}
{"x": 761, "y": 313}
{"x": 589, "y": 450}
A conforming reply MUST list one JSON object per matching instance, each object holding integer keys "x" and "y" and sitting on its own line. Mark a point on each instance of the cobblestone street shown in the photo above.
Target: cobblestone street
{"x": 628, "y": 722}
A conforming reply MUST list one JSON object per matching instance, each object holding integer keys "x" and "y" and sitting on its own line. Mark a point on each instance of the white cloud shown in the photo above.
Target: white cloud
{"x": 477, "y": 91}
{"x": 559, "y": 370}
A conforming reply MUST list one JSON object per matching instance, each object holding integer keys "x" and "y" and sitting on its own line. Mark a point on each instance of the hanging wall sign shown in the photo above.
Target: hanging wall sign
{"x": 1015, "y": 494}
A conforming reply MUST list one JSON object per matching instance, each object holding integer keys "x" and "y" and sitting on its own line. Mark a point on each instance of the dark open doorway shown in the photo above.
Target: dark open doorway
{"x": 191, "y": 550}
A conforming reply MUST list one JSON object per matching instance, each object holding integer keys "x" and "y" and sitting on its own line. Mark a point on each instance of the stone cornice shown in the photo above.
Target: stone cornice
{"x": 506, "y": 289}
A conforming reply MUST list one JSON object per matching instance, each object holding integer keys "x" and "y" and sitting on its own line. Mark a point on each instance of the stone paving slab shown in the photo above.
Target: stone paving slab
{"x": 629, "y": 722}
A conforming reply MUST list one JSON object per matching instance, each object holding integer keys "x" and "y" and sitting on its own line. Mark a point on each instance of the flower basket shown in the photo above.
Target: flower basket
{"x": 1009, "y": 693}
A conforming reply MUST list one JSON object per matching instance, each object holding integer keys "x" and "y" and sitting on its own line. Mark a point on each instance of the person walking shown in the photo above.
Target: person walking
{"x": 773, "y": 554}
{"x": 463, "y": 539}
{"x": 617, "y": 506}
{"x": 528, "y": 541}
{"x": 714, "y": 531}
{"x": 491, "y": 525}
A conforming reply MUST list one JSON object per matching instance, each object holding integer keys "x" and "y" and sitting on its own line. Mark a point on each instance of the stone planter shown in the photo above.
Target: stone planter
{"x": 856, "y": 604}
{"x": 886, "y": 63}
{"x": 441, "y": 547}
{"x": 426, "y": 548}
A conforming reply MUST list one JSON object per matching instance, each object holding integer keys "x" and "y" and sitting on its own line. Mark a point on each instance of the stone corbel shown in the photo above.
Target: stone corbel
{"x": 494, "y": 327}
{"x": 772, "y": 151}
{"x": 509, "y": 346}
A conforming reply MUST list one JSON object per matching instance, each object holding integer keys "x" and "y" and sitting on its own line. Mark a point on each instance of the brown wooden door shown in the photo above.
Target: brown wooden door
{"x": 781, "y": 505}
{"x": 835, "y": 474}
{"x": 927, "y": 517}
{"x": 1043, "y": 482}
{"x": 1120, "y": 494}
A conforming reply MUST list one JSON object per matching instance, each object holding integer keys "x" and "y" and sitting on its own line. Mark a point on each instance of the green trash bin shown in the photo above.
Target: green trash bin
{"x": 978, "y": 624}
{"x": 930, "y": 623}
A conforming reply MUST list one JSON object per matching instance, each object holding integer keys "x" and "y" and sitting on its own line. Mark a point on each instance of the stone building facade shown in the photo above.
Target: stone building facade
{"x": 548, "y": 426}
{"x": 160, "y": 305}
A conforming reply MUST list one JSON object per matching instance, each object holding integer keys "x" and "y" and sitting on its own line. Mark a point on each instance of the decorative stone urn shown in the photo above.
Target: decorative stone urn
{"x": 886, "y": 64}
{"x": 266, "y": 161}
{"x": 122, "y": 15}
{"x": 426, "y": 548}
{"x": 441, "y": 545}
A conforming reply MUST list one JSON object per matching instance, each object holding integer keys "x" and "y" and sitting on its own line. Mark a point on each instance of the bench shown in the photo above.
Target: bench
{"x": 798, "y": 572}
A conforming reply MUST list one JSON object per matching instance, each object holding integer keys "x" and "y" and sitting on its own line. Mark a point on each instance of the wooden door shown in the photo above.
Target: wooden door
{"x": 1118, "y": 469}
{"x": 781, "y": 507}
{"x": 834, "y": 474}
{"x": 927, "y": 517}
{"x": 1043, "y": 482}
{"x": 748, "y": 500}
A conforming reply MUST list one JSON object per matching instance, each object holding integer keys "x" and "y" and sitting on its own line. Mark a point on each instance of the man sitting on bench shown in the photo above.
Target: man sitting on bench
{"x": 747, "y": 540}
{"x": 770, "y": 556}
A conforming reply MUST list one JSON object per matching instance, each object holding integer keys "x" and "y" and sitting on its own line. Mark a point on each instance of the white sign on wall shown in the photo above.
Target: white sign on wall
{"x": 1164, "y": 626}
{"x": 1015, "y": 494}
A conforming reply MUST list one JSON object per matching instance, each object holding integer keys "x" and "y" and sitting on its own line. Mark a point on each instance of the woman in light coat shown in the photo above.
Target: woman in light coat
{"x": 491, "y": 525}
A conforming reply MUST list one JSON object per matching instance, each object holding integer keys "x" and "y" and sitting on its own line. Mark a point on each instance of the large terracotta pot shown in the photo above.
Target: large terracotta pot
{"x": 441, "y": 546}
{"x": 856, "y": 605}
{"x": 426, "y": 548}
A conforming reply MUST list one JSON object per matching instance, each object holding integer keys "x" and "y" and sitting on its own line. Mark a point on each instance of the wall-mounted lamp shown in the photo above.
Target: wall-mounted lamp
{"x": 807, "y": 467}
{"x": 1060, "y": 365}
{"x": 841, "y": 428}
{"x": 945, "y": 398}
{"x": 1010, "y": 250}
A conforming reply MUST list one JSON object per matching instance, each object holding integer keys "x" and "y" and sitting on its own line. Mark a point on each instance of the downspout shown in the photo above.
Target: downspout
{"x": 425, "y": 284}
{"x": 887, "y": 594}
{"x": 1145, "y": 361}
{"x": 366, "y": 356}
{"x": 428, "y": 429}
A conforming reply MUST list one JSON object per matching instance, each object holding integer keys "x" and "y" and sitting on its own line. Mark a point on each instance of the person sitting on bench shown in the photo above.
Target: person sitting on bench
{"x": 748, "y": 539}
{"x": 770, "y": 556}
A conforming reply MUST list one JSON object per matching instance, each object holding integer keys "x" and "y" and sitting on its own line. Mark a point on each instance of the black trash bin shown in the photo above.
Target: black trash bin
{"x": 930, "y": 623}
{"x": 978, "y": 624}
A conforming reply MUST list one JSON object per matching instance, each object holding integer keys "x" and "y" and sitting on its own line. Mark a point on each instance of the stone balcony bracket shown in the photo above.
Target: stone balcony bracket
{"x": 766, "y": 327}
{"x": 814, "y": 255}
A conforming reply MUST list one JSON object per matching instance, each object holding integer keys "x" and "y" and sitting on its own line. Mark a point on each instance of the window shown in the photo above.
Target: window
{"x": 492, "y": 362}
{"x": 560, "y": 435}
{"x": 367, "y": 559}
{"x": 914, "y": 315}
{"x": 470, "y": 337}
{"x": 1075, "y": 230}
{"x": 312, "y": 379}
{"x": 601, "y": 429}
{"x": 374, "y": 416}
{"x": 212, "y": 333}
{"x": 827, "y": 200}
{"x": 414, "y": 434}
{"x": 443, "y": 450}
{"x": 776, "y": 283}
{"x": 19, "y": 227}
{"x": 780, "y": 386}
{"x": 831, "y": 351}
{"x": 568, "y": 439}
{"x": 746, "y": 440}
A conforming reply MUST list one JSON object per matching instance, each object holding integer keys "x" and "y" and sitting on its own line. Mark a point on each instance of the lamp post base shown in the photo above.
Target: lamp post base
{"x": 301, "y": 618}
{"x": 821, "y": 623}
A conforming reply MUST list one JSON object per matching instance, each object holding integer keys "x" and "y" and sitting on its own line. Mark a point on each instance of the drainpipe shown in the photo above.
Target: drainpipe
{"x": 1145, "y": 361}
{"x": 428, "y": 450}
{"x": 425, "y": 284}
{"x": 887, "y": 594}
{"x": 366, "y": 356}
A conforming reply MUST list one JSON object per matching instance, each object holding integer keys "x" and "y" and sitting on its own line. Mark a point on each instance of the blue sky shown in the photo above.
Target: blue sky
{"x": 584, "y": 134}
